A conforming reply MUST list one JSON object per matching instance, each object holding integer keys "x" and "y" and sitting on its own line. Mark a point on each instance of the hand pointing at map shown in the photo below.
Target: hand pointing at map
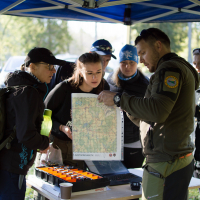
{"x": 106, "y": 97}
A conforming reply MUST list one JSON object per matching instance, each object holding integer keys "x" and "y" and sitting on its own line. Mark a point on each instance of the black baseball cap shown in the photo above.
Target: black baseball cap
{"x": 39, "y": 54}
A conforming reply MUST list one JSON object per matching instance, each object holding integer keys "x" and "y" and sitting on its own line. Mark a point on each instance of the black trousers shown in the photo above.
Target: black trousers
{"x": 133, "y": 157}
{"x": 196, "y": 173}
{"x": 9, "y": 189}
{"x": 181, "y": 180}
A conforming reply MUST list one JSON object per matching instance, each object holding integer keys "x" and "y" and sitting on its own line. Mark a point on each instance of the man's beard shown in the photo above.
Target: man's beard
{"x": 155, "y": 59}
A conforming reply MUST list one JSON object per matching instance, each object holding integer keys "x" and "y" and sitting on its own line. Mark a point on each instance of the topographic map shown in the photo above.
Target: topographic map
{"x": 97, "y": 129}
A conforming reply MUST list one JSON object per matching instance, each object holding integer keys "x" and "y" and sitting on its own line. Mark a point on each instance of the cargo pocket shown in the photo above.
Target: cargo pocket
{"x": 152, "y": 186}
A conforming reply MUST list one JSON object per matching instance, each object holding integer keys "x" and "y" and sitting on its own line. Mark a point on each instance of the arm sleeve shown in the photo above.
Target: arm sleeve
{"x": 26, "y": 107}
{"x": 158, "y": 106}
{"x": 54, "y": 102}
{"x": 106, "y": 85}
{"x": 136, "y": 121}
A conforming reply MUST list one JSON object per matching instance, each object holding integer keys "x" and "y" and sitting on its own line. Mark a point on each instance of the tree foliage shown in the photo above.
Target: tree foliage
{"x": 20, "y": 34}
{"x": 196, "y": 35}
{"x": 177, "y": 33}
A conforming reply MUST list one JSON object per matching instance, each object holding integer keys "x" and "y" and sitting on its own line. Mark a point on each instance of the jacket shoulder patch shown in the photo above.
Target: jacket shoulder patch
{"x": 169, "y": 82}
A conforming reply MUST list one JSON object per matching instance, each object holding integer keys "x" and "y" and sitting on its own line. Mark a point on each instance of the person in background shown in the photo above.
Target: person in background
{"x": 105, "y": 50}
{"x": 87, "y": 78}
{"x": 102, "y": 47}
{"x": 127, "y": 78}
{"x": 63, "y": 72}
{"x": 196, "y": 63}
{"x": 24, "y": 115}
{"x": 165, "y": 117}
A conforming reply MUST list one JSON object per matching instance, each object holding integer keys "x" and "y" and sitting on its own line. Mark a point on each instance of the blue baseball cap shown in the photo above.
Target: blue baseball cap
{"x": 102, "y": 47}
{"x": 128, "y": 52}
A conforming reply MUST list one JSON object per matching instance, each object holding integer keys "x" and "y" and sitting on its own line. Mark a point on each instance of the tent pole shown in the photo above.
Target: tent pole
{"x": 11, "y": 6}
{"x": 95, "y": 37}
{"x": 189, "y": 42}
{"x": 128, "y": 36}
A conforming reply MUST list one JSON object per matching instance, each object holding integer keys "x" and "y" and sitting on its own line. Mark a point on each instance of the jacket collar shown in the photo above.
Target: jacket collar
{"x": 166, "y": 57}
{"x": 170, "y": 56}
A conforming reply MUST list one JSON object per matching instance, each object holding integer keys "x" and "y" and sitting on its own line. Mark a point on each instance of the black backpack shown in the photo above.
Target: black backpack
{"x": 3, "y": 93}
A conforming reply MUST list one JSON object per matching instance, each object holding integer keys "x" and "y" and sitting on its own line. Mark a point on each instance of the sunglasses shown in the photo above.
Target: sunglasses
{"x": 197, "y": 50}
{"x": 51, "y": 67}
{"x": 103, "y": 48}
{"x": 147, "y": 33}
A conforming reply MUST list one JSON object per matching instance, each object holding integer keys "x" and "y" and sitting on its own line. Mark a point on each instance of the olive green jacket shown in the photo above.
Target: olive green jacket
{"x": 165, "y": 116}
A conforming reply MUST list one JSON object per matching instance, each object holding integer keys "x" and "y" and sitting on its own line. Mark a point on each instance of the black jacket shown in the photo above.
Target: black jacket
{"x": 59, "y": 101}
{"x": 24, "y": 108}
{"x": 135, "y": 86}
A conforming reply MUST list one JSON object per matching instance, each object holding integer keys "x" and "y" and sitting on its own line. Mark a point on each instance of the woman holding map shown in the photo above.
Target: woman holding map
{"x": 87, "y": 78}
{"x": 127, "y": 78}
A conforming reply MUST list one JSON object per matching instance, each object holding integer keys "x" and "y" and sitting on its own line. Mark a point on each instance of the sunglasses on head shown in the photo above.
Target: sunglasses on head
{"x": 197, "y": 50}
{"x": 103, "y": 48}
{"x": 51, "y": 67}
{"x": 147, "y": 33}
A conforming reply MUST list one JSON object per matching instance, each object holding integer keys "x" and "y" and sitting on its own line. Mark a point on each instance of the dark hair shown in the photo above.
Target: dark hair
{"x": 152, "y": 35}
{"x": 76, "y": 80}
{"x": 196, "y": 51}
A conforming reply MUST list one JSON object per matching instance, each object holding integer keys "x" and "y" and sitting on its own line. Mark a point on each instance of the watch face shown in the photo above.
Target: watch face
{"x": 117, "y": 99}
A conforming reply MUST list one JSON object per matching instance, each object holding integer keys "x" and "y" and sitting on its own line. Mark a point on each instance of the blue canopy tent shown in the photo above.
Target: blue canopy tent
{"x": 127, "y": 12}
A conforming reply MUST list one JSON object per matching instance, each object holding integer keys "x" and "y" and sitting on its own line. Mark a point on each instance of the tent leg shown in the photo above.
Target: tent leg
{"x": 128, "y": 36}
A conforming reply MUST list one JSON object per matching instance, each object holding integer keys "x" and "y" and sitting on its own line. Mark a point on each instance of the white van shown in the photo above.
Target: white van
{"x": 12, "y": 64}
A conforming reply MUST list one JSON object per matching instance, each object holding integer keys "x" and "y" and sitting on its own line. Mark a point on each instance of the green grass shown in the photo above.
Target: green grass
{"x": 194, "y": 194}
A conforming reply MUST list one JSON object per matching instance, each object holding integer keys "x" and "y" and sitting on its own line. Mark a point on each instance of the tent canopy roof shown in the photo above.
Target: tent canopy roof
{"x": 123, "y": 11}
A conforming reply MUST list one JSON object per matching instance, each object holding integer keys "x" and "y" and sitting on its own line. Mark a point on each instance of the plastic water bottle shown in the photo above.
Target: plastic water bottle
{"x": 47, "y": 123}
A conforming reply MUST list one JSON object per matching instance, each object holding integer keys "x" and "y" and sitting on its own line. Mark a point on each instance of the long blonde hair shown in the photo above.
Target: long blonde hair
{"x": 23, "y": 67}
{"x": 115, "y": 77}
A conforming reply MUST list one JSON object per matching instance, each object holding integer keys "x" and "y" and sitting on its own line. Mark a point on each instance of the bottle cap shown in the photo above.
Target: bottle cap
{"x": 47, "y": 112}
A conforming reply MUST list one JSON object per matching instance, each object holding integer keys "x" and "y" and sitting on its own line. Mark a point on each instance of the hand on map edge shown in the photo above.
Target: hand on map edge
{"x": 106, "y": 97}
{"x": 67, "y": 131}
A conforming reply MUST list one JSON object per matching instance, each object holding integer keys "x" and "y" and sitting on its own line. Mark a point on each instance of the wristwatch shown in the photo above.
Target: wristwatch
{"x": 117, "y": 99}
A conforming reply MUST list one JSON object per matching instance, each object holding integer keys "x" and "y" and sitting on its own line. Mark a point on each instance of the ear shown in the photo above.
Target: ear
{"x": 158, "y": 45}
{"x": 32, "y": 67}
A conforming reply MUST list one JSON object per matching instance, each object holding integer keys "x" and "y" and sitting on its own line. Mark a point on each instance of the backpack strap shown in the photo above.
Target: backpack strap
{"x": 8, "y": 140}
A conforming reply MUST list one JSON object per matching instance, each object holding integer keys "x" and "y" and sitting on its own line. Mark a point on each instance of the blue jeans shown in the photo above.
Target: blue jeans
{"x": 9, "y": 189}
